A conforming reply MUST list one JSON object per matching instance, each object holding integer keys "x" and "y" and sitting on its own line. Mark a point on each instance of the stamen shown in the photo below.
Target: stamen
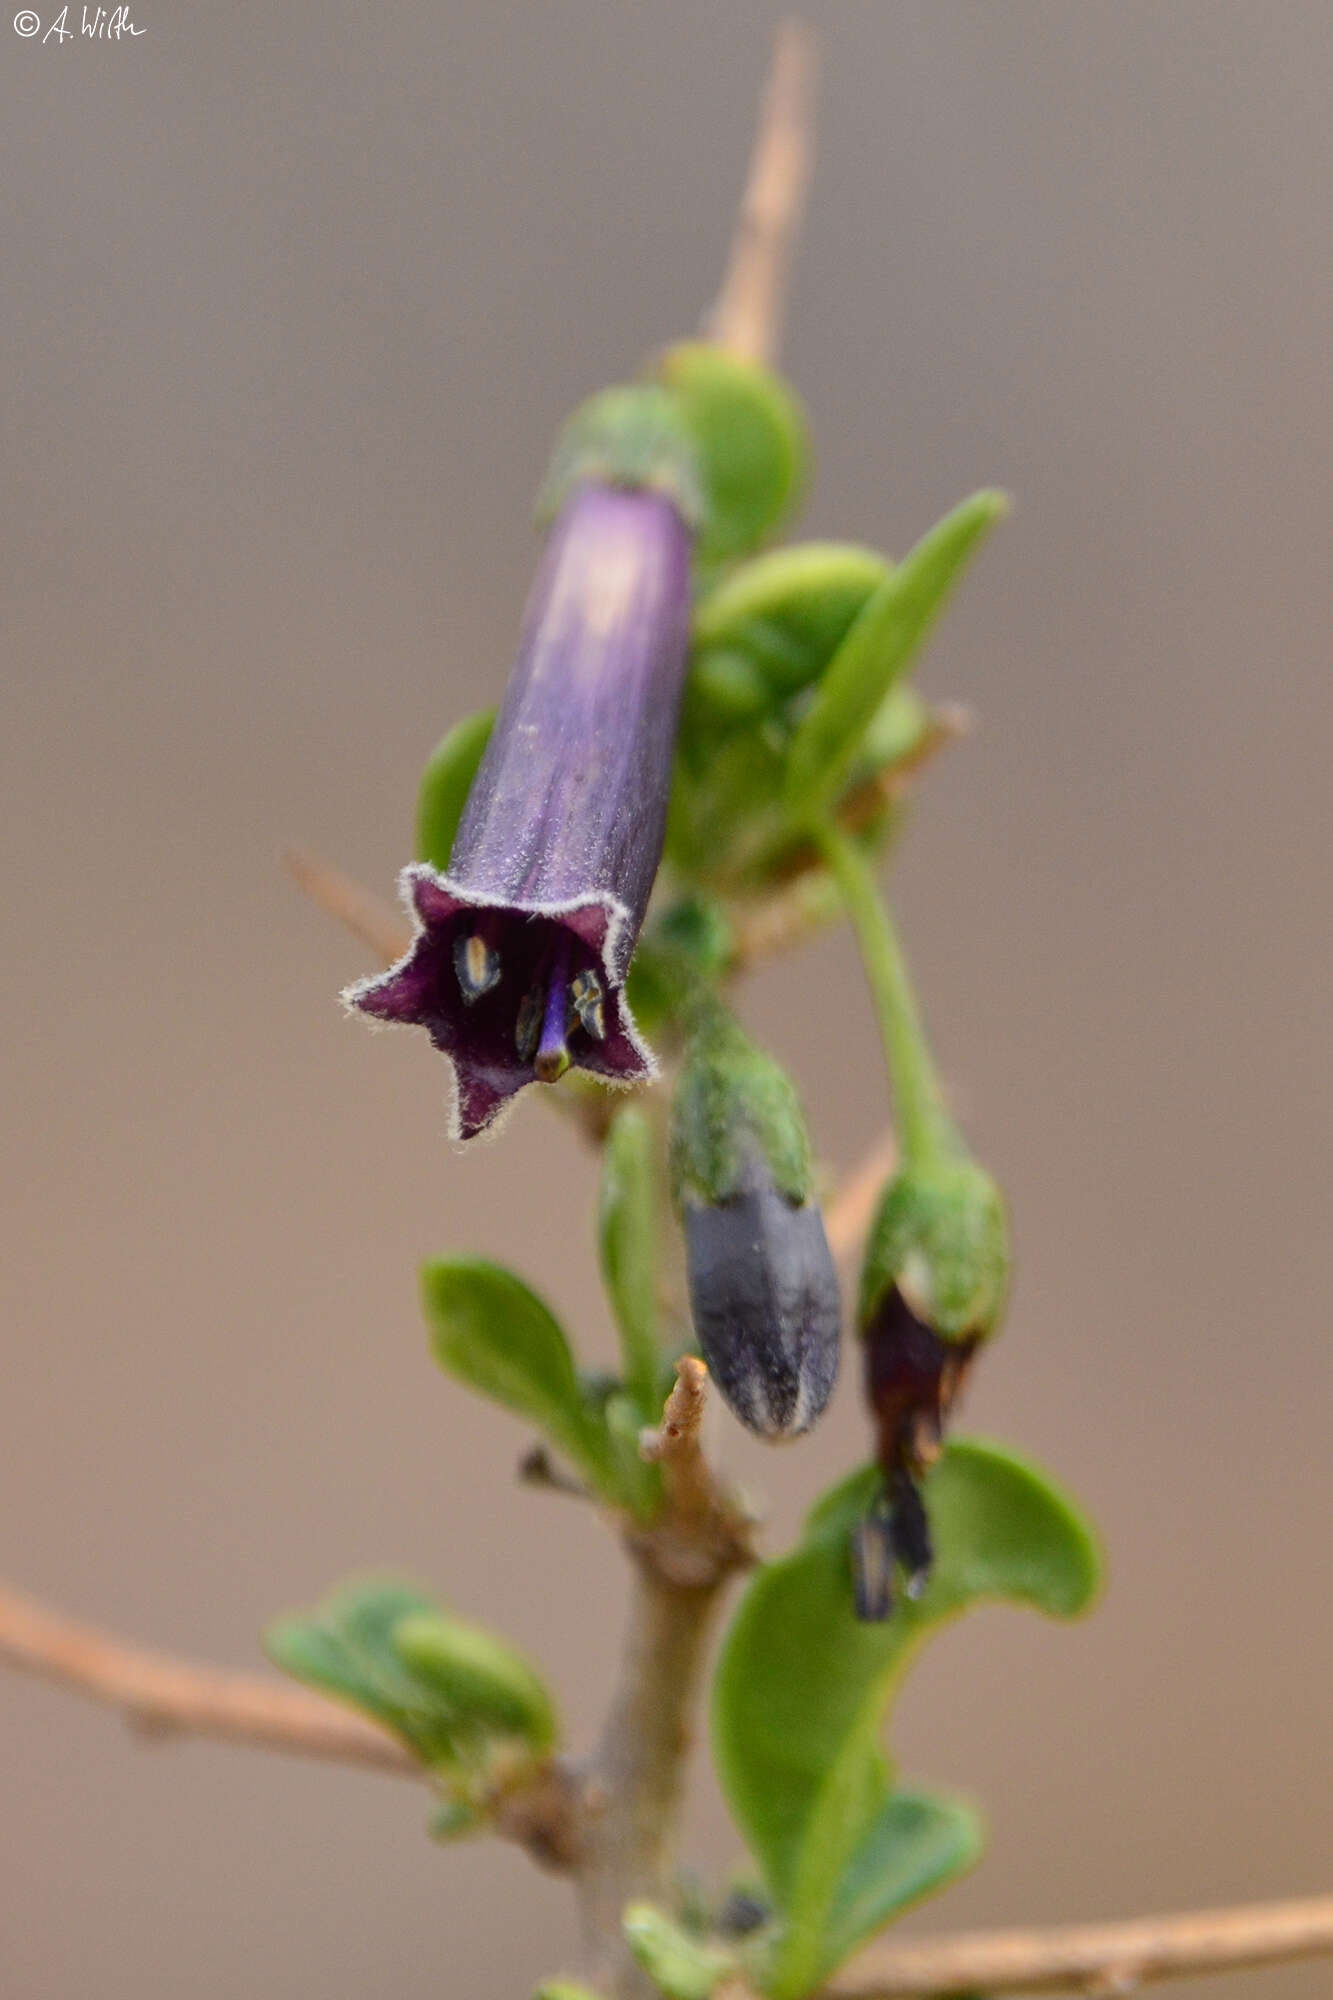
{"x": 552, "y": 1053}
{"x": 586, "y": 993}
{"x": 528, "y": 1027}
{"x": 476, "y": 965}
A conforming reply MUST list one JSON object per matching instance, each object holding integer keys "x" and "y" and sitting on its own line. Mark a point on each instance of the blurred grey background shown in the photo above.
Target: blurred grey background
{"x": 294, "y": 298}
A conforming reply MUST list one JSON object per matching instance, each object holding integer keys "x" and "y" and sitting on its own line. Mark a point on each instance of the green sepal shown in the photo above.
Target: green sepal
{"x": 940, "y": 1237}
{"x": 492, "y": 1332}
{"x": 637, "y": 436}
{"x": 803, "y": 1687}
{"x": 344, "y": 1647}
{"x": 566, "y": 1989}
{"x": 445, "y": 784}
{"x": 627, "y": 1239}
{"x": 750, "y": 437}
{"x": 491, "y": 1689}
{"x": 786, "y": 613}
{"x": 733, "y": 1104}
{"x": 678, "y": 1964}
{"x": 883, "y": 639}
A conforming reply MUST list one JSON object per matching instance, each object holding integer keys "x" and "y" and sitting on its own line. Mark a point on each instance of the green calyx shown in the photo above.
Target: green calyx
{"x": 734, "y": 1108}
{"x": 723, "y": 438}
{"x": 941, "y": 1237}
{"x": 631, "y": 436}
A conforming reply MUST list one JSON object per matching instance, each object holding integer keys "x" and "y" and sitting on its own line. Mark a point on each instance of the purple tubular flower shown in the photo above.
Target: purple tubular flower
{"x": 518, "y": 967}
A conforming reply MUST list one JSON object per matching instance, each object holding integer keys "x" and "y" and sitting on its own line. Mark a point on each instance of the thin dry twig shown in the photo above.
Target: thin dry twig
{"x": 1113, "y": 1958}
{"x": 162, "y": 1695}
{"x": 365, "y": 914}
{"x": 747, "y": 317}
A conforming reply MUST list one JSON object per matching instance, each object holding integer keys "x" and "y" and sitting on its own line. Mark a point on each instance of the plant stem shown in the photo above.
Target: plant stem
{"x": 635, "y": 1792}
{"x": 925, "y": 1129}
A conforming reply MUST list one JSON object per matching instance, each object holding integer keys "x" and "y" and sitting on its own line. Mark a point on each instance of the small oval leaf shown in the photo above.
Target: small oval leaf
{"x": 344, "y": 1648}
{"x": 488, "y": 1686}
{"x": 491, "y": 1331}
{"x": 787, "y": 612}
{"x": 750, "y": 435}
{"x": 917, "y": 1845}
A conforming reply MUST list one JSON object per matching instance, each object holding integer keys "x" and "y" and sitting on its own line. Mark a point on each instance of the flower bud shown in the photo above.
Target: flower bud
{"x": 763, "y": 1290}
{"x": 932, "y": 1290}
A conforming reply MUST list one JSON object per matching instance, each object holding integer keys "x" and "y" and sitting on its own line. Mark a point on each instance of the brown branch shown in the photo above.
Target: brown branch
{"x": 1094, "y": 1958}
{"x": 168, "y": 1696}
{"x": 747, "y": 316}
{"x": 682, "y": 1563}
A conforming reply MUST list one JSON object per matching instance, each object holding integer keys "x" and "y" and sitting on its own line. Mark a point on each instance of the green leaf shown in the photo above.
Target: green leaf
{"x": 884, "y": 638}
{"x": 493, "y": 1333}
{"x": 803, "y": 1687}
{"x": 451, "y": 1690}
{"x": 677, "y": 1964}
{"x": 344, "y": 1647}
{"x": 750, "y": 436}
{"x": 627, "y": 1235}
{"x": 445, "y": 784}
{"x": 566, "y": 1989}
{"x": 489, "y": 1687}
{"x": 915, "y": 1846}
{"x": 786, "y": 613}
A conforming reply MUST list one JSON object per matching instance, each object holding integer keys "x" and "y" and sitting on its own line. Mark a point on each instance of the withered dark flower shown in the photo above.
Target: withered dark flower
{"x": 932, "y": 1291}
{"x": 912, "y": 1380}
{"x": 518, "y": 967}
